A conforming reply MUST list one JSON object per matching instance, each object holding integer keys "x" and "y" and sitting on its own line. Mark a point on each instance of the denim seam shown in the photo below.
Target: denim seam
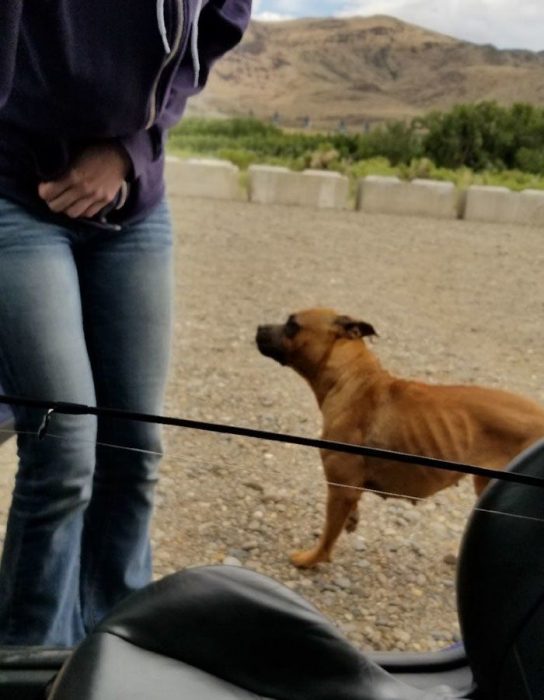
{"x": 89, "y": 587}
{"x": 88, "y": 575}
{"x": 14, "y": 565}
{"x": 17, "y": 591}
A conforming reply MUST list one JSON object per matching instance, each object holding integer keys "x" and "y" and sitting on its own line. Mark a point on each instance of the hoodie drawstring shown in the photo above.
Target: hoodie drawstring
{"x": 194, "y": 36}
{"x": 194, "y": 43}
{"x": 162, "y": 26}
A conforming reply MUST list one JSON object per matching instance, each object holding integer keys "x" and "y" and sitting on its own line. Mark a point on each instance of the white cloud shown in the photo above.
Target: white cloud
{"x": 504, "y": 23}
{"x": 290, "y": 9}
{"x": 271, "y": 16}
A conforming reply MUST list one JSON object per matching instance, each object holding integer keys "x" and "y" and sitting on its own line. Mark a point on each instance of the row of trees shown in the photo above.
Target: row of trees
{"x": 482, "y": 136}
{"x": 485, "y": 136}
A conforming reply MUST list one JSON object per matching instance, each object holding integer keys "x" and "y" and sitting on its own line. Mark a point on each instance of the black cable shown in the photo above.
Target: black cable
{"x": 360, "y": 450}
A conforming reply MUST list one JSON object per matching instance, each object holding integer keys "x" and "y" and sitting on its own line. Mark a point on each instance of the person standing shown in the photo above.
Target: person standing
{"x": 88, "y": 91}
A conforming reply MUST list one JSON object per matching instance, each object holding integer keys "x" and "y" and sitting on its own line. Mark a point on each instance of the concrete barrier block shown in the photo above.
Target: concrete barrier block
{"x": 267, "y": 183}
{"x": 493, "y": 204}
{"x": 203, "y": 177}
{"x": 531, "y": 207}
{"x": 325, "y": 189}
{"x": 311, "y": 188}
{"x": 390, "y": 195}
{"x": 375, "y": 192}
{"x": 501, "y": 205}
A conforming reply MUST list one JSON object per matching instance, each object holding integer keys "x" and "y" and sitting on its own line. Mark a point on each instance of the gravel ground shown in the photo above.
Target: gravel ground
{"x": 452, "y": 301}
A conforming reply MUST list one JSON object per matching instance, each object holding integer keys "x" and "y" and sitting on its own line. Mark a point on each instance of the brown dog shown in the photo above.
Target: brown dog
{"x": 364, "y": 404}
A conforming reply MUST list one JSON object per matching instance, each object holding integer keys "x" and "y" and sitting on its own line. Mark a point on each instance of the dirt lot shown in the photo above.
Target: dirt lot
{"x": 452, "y": 301}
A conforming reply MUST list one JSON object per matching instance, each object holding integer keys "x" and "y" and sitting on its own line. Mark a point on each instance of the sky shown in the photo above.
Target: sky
{"x": 506, "y": 24}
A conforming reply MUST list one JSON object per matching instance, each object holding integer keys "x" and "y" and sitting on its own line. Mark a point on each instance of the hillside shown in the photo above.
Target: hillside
{"x": 362, "y": 70}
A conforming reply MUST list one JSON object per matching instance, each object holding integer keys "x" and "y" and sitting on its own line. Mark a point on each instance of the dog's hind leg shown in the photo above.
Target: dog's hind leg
{"x": 353, "y": 519}
{"x": 480, "y": 482}
{"x": 341, "y": 502}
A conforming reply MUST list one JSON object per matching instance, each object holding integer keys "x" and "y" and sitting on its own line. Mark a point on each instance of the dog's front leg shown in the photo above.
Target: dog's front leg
{"x": 341, "y": 502}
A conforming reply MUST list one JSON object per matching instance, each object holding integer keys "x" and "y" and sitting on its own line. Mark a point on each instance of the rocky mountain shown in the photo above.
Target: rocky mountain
{"x": 357, "y": 71}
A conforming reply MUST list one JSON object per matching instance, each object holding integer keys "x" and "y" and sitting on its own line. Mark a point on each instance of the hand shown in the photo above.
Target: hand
{"x": 90, "y": 184}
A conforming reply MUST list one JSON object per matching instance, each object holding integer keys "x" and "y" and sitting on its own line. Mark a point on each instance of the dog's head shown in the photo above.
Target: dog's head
{"x": 306, "y": 339}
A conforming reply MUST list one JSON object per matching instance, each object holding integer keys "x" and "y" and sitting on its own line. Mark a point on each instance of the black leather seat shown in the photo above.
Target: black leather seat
{"x": 500, "y": 586}
{"x": 228, "y": 633}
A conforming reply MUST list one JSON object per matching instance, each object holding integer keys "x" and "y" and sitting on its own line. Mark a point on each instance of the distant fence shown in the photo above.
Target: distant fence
{"x": 219, "y": 179}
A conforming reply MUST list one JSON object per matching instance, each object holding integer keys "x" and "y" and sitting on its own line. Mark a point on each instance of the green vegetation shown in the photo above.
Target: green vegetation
{"x": 480, "y": 143}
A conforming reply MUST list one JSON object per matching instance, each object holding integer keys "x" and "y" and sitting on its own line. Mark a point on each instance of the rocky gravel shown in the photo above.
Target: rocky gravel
{"x": 452, "y": 302}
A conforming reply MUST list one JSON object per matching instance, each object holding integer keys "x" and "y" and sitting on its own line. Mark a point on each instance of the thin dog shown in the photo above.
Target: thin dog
{"x": 362, "y": 403}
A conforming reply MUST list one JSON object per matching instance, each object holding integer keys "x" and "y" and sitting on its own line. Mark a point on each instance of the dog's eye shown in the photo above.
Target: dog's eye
{"x": 291, "y": 328}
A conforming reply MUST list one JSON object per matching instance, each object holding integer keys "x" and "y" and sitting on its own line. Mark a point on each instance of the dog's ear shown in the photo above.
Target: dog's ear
{"x": 355, "y": 329}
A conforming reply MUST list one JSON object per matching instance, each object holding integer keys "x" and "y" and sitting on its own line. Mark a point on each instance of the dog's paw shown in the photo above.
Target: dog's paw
{"x": 307, "y": 559}
{"x": 352, "y": 522}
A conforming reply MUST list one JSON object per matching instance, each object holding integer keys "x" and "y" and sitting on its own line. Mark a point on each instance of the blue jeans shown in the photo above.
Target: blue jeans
{"x": 85, "y": 316}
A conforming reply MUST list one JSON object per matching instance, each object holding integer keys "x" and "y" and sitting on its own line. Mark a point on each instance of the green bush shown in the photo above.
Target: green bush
{"x": 472, "y": 143}
{"x": 485, "y": 136}
{"x": 530, "y": 160}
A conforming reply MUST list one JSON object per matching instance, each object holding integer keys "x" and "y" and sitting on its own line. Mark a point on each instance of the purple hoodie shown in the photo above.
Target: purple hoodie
{"x": 75, "y": 72}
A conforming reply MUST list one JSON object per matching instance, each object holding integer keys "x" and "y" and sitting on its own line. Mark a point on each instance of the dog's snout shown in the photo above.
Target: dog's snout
{"x": 263, "y": 334}
{"x": 268, "y": 339}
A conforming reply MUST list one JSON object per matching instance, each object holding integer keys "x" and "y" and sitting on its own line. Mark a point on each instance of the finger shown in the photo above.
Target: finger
{"x": 51, "y": 190}
{"x": 93, "y": 210}
{"x": 82, "y": 206}
{"x": 67, "y": 199}
{"x": 72, "y": 180}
